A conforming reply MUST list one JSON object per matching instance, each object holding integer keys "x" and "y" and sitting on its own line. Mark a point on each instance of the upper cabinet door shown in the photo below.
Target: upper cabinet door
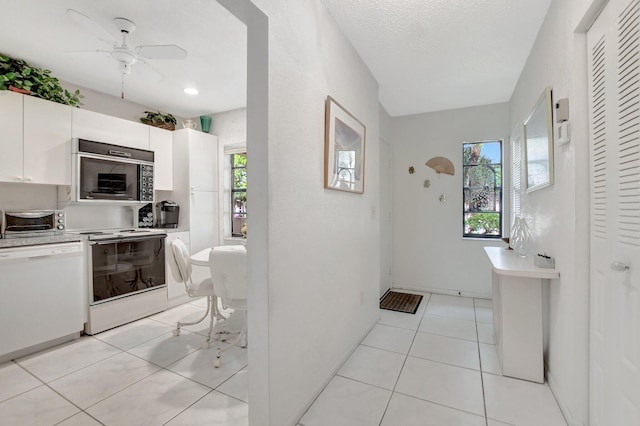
{"x": 203, "y": 161}
{"x": 47, "y": 142}
{"x": 160, "y": 142}
{"x": 11, "y": 136}
{"x": 104, "y": 128}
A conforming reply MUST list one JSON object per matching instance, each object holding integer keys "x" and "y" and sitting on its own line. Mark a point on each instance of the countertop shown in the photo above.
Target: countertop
{"x": 34, "y": 241}
{"x": 507, "y": 262}
{"x": 65, "y": 238}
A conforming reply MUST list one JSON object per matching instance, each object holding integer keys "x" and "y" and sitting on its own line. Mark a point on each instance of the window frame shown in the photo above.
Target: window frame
{"x": 500, "y": 213}
{"x": 233, "y": 191}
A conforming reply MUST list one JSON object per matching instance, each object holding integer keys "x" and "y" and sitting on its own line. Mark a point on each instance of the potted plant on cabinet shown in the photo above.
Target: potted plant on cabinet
{"x": 158, "y": 119}
{"x": 18, "y": 76}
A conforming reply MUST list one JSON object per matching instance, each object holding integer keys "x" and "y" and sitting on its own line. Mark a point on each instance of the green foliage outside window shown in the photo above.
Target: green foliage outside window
{"x": 482, "y": 189}
{"x": 238, "y": 194}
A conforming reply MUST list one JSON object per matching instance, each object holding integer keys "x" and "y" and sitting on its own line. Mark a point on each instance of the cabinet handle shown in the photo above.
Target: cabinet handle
{"x": 28, "y": 179}
{"x": 18, "y": 178}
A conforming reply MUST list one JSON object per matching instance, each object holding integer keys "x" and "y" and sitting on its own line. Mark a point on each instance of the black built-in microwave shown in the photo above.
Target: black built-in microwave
{"x": 113, "y": 173}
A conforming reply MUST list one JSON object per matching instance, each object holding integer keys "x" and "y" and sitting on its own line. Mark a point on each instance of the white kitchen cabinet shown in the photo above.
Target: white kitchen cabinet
{"x": 11, "y": 113}
{"x": 195, "y": 156}
{"x": 176, "y": 293}
{"x": 161, "y": 143}
{"x": 47, "y": 142}
{"x": 36, "y": 140}
{"x": 203, "y": 160}
{"x": 105, "y": 128}
{"x": 203, "y": 220}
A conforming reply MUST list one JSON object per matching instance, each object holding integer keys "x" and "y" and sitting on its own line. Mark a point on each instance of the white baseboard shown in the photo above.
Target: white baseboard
{"x": 566, "y": 412}
{"x": 445, "y": 291}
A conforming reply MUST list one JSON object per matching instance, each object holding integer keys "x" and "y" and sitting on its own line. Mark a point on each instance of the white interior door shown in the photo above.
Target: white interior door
{"x": 614, "y": 85}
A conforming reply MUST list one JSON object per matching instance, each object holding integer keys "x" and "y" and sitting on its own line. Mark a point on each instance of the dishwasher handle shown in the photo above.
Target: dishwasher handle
{"x": 40, "y": 252}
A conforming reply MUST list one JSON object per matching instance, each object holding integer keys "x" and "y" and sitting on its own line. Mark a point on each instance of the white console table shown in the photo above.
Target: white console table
{"x": 517, "y": 313}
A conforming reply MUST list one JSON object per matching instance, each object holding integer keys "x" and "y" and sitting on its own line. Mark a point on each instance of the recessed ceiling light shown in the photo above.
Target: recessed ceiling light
{"x": 191, "y": 91}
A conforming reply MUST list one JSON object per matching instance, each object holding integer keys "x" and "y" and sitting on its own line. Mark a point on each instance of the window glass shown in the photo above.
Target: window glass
{"x": 238, "y": 193}
{"x": 482, "y": 189}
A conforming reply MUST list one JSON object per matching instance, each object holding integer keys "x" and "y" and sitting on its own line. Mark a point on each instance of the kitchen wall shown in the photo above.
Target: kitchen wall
{"x": 559, "y": 214}
{"x": 322, "y": 293}
{"x": 230, "y": 127}
{"x": 429, "y": 253}
{"x": 20, "y": 196}
{"x": 112, "y": 104}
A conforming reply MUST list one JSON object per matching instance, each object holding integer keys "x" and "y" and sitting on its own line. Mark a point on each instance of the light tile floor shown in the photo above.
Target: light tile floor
{"x": 132, "y": 375}
{"x": 438, "y": 367}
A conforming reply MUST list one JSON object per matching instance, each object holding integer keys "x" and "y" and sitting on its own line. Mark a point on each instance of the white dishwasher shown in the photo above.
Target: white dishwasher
{"x": 41, "y": 296}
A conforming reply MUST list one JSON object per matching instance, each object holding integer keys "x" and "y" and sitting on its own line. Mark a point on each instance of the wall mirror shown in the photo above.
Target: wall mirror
{"x": 538, "y": 136}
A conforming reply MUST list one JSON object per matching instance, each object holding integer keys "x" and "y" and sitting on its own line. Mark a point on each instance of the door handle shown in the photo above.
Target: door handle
{"x": 619, "y": 267}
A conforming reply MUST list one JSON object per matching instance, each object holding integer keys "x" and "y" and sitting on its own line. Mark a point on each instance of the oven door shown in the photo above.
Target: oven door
{"x": 124, "y": 267}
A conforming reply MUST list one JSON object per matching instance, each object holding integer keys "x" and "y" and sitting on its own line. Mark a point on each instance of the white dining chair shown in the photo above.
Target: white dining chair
{"x": 229, "y": 274}
{"x": 181, "y": 269}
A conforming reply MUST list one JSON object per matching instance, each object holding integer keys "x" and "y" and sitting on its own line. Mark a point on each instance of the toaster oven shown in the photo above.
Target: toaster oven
{"x": 32, "y": 223}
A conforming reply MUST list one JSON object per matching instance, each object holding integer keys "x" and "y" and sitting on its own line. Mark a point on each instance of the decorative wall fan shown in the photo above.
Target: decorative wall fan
{"x": 125, "y": 55}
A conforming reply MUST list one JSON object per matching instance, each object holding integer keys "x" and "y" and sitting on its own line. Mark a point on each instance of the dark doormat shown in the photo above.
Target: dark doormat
{"x": 400, "y": 302}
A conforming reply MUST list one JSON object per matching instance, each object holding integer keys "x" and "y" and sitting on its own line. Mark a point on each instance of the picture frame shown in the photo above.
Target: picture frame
{"x": 538, "y": 141}
{"x": 345, "y": 140}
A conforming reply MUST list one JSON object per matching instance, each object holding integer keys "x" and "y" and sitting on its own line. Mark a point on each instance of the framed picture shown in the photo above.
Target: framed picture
{"x": 344, "y": 143}
{"x": 538, "y": 140}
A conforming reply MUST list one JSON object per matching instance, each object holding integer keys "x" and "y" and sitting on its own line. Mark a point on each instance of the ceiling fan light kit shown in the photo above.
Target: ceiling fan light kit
{"x": 126, "y": 56}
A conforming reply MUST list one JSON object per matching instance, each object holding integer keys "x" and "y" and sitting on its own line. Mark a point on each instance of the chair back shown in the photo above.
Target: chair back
{"x": 229, "y": 274}
{"x": 180, "y": 262}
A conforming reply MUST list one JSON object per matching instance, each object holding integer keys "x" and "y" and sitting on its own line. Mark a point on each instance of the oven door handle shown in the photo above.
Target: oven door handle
{"x": 128, "y": 239}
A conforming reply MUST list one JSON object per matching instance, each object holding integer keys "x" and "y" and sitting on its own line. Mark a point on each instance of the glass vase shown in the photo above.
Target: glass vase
{"x": 520, "y": 237}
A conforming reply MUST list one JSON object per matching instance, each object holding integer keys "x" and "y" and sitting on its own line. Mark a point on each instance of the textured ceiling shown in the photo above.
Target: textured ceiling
{"x": 40, "y": 32}
{"x": 432, "y": 55}
{"x": 427, "y": 55}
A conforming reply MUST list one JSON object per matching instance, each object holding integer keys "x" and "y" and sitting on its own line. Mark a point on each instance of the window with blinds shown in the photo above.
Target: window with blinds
{"x": 516, "y": 177}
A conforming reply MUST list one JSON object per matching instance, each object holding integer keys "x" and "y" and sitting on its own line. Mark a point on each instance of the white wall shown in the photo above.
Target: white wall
{"x": 112, "y": 105}
{"x": 429, "y": 252}
{"x": 230, "y": 126}
{"x": 231, "y": 129}
{"x": 559, "y": 215}
{"x": 322, "y": 288}
{"x": 386, "y": 201}
{"x": 20, "y": 196}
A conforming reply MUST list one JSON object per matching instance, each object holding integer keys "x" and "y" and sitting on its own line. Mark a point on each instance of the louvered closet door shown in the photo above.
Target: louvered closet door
{"x": 614, "y": 85}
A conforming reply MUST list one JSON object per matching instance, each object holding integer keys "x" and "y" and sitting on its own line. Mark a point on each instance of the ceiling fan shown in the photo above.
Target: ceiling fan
{"x": 125, "y": 55}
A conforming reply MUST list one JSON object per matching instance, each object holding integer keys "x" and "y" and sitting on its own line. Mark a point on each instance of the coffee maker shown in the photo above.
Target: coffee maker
{"x": 167, "y": 214}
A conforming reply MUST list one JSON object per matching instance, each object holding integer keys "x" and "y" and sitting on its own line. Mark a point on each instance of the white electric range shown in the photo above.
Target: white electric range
{"x": 126, "y": 275}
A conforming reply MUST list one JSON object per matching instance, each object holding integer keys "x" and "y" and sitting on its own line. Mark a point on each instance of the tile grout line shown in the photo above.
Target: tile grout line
{"x": 484, "y": 400}
{"x": 406, "y": 356}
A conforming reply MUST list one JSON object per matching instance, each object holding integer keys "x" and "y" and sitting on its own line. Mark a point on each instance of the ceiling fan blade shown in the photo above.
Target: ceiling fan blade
{"x": 90, "y": 25}
{"x": 161, "y": 51}
{"x": 98, "y": 51}
{"x": 151, "y": 70}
